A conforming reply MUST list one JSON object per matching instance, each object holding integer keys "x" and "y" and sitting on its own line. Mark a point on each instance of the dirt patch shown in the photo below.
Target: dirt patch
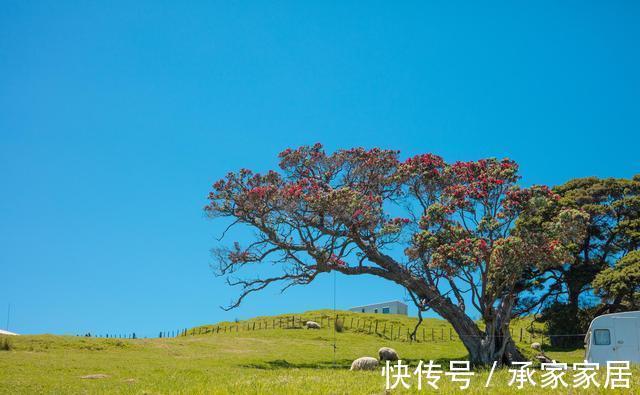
{"x": 95, "y": 376}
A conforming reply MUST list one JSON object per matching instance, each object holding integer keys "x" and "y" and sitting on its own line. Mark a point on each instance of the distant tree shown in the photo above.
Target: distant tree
{"x": 451, "y": 237}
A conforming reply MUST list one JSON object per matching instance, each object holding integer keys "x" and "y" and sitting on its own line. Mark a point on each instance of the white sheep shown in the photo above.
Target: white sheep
{"x": 364, "y": 363}
{"x": 312, "y": 325}
{"x": 536, "y": 346}
{"x": 388, "y": 354}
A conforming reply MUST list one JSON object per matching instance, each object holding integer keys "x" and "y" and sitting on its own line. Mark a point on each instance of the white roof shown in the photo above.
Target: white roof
{"x": 377, "y": 304}
{"x": 7, "y": 333}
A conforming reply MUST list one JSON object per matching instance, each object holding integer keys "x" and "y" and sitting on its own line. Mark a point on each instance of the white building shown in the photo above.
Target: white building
{"x": 393, "y": 307}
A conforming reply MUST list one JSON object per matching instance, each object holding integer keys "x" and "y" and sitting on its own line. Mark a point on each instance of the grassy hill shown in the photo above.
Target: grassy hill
{"x": 237, "y": 361}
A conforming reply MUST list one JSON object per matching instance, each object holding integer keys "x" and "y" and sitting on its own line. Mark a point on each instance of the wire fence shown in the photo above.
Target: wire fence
{"x": 385, "y": 329}
{"x": 132, "y": 335}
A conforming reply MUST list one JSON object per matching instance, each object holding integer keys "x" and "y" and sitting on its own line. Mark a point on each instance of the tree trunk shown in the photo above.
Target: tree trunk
{"x": 484, "y": 347}
{"x": 573, "y": 300}
{"x": 492, "y": 344}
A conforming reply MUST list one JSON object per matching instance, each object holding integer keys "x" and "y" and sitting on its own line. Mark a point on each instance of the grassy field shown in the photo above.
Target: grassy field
{"x": 260, "y": 361}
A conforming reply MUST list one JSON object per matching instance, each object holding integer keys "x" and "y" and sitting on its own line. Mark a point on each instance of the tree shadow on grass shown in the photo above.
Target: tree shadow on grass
{"x": 339, "y": 364}
{"x": 443, "y": 362}
{"x": 547, "y": 347}
{"x": 284, "y": 364}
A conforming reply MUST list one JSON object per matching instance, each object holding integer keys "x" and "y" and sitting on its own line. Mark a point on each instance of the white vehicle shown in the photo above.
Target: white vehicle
{"x": 614, "y": 337}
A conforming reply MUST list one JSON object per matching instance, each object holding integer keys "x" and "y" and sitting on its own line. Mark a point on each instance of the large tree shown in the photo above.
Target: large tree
{"x": 445, "y": 232}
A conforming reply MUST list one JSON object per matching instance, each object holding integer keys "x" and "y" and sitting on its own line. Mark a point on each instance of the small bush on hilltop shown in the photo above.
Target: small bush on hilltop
{"x": 5, "y": 344}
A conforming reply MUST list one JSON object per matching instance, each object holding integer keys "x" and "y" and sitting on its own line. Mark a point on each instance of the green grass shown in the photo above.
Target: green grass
{"x": 260, "y": 361}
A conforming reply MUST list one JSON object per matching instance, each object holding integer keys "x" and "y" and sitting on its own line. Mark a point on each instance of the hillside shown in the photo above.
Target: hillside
{"x": 385, "y": 326}
{"x": 241, "y": 361}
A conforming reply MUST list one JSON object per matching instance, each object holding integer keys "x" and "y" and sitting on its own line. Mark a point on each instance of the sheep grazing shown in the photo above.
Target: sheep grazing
{"x": 388, "y": 354}
{"x": 364, "y": 363}
{"x": 536, "y": 346}
{"x": 312, "y": 325}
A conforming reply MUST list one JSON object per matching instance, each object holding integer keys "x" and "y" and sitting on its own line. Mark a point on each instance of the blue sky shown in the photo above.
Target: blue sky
{"x": 115, "y": 119}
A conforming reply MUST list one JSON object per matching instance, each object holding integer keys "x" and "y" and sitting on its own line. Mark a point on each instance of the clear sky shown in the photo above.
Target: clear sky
{"x": 116, "y": 118}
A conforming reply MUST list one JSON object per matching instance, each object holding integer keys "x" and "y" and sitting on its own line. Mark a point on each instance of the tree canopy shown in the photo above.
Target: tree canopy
{"x": 620, "y": 285}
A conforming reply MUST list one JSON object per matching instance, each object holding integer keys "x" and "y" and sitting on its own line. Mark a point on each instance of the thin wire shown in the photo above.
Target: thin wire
{"x": 335, "y": 319}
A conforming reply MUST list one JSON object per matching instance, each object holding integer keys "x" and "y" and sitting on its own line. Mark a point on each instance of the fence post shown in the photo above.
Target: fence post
{"x": 450, "y": 334}
{"x": 521, "y": 334}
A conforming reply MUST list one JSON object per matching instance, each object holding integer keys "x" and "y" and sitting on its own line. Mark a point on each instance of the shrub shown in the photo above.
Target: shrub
{"x": 5, "y": 344}
{"x": 567, "y": 324}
